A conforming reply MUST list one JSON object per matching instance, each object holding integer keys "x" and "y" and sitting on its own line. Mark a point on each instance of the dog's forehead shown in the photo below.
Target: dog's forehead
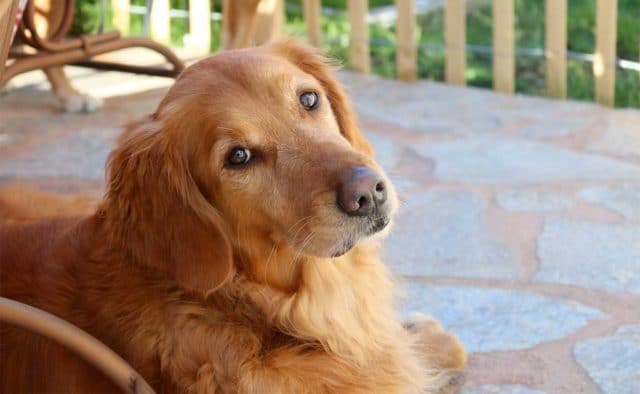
{"x": 253, "y": 94}
{"x": 253, "y": 70}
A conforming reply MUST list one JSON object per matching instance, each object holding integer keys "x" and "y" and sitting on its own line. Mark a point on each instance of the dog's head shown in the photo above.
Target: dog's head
{"x": 249, "y": 151}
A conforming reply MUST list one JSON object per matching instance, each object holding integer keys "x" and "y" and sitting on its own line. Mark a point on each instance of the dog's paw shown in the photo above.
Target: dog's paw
{"x": 79, "y": 103}
{"x": 442, "y": 350}
{"x": 4, "y": 90}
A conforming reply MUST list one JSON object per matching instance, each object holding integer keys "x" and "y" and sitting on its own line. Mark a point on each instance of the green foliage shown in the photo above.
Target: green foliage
{"x": 87, "y": 17}
{"x": 342, "y": 4}
{"x": 628, "y": 42}
{"x": 627, "y": 88}
{"x": 580, "y": 81}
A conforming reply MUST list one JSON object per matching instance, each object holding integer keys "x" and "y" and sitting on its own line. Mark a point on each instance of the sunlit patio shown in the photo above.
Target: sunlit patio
{"x": 520, "y": 221}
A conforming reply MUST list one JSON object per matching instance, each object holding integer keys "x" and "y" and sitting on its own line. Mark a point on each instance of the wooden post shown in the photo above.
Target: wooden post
{"x": 455, "y": 41}
{"x": 312, "y": 14}
{"x": 406, "y": 52}
{"x": 359, "y": 56}
{"x": 238, "y": 23}
{"x": 503, "y": 46}
{"x": 604, "y": 62}
{"x": 269, "y": 21}
{"x": 200, "y": 25}
{"x": 121, "y": 18}
{"x": 556, "y": 51}
{"x": 7, "y": 22}
{"x": 160, "y": 25}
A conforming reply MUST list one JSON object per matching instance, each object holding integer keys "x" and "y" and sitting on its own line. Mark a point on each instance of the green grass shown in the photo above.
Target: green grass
{"x": 530, "y": 27}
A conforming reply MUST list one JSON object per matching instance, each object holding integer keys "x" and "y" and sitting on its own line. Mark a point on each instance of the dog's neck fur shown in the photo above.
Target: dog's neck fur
{"x": 345, "y": 304}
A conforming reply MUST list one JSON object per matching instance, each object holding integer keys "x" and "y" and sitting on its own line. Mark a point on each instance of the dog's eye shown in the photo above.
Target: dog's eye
{"x": 239, "y": 156}
{"x": 309, "y": 100}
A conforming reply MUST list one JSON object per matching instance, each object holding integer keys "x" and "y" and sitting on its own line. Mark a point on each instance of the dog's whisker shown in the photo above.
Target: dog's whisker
{"x": 300, "y": 250}
{"x": 300, "y": 222}
{"x": 299, "y": 226}
{"x": 239, "y": 242}
{"x": 266, "y": 264}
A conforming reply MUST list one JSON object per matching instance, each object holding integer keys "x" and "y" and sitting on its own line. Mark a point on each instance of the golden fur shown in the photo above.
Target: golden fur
{"x": 209, "y": 279}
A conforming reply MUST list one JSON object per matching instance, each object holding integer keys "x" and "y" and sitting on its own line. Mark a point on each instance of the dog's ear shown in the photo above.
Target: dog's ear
{"x": 155, "y": 212}
{"x": 310, "y": 60}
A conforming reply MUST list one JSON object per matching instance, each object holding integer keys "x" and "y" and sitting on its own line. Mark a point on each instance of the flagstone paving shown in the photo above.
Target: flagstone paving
{"x": 519, "y": 226}
{"x": 613, "y": 361}
{"x": 624, "y": 199}
{"x": 533, "y": 201}
{"x": 500, "y": 389}
{"x": 489, "y": 320}
{"x": 495, "y": 159}
{"x": 444, "y": 233}
{"x": 574, "y": 252}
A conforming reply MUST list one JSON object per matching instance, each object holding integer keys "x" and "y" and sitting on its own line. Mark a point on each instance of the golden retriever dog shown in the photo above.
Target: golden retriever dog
{"x": 235, "y": 249}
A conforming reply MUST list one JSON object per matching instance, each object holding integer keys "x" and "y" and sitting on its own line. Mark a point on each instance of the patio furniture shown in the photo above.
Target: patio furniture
{"x": 77, "y": 341}
{"x": 7, "y": 23}
{"x": 58, "y": 50}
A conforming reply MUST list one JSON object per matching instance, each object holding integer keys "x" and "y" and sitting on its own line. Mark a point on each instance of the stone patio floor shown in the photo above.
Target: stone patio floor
{"x": 519, "y": 227}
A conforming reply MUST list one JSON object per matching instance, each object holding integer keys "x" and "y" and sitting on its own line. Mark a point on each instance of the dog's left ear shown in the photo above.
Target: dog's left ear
{"x": 200, "y": 248}
{"x": 155, "y": 212}
{"x": 310, "y": 60}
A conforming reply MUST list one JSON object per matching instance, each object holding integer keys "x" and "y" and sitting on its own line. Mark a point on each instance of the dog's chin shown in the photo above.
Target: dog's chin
{"x": 329, "y": 251}
{"x": 342, "y": 249}
{"x": 374, "y": 230}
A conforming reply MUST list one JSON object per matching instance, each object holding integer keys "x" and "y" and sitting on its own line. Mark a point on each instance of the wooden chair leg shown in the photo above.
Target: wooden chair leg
{"x": 76, "y": 340}
{"x": 7, "y": 21}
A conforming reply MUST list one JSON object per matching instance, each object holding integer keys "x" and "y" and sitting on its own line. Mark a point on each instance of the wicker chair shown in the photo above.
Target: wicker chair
{"x": 77, "y": 341}
{"x": 57, "y": 49}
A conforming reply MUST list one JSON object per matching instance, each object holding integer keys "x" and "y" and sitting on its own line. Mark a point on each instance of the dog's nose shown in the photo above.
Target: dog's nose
{"x": 362, "y": 192}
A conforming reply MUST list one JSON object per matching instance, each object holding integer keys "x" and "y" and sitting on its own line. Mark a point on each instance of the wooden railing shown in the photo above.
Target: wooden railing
{"x": 604, "y": 64}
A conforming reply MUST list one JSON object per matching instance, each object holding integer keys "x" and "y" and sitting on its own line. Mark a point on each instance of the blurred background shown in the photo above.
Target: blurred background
{"x": 529, "y": 39}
